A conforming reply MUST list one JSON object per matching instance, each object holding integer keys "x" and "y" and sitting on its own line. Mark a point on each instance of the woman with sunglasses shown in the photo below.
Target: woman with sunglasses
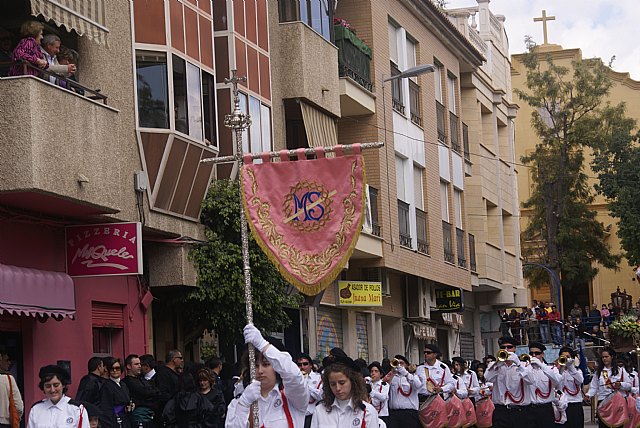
{"x": 545, "y": 379}
{"x": 115, "y": 401}
{"x": 56, "y": 410}
{"x": 314, "y": 385}
{"x": 606, "y": 381}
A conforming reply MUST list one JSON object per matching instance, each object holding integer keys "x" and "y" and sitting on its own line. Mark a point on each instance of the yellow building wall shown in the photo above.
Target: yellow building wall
{"x": 624, "y": 90}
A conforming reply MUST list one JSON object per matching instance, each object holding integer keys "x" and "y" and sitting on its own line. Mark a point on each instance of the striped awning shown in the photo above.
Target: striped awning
{"x": 321, "y": 129}
{"x": 86, "y": 17}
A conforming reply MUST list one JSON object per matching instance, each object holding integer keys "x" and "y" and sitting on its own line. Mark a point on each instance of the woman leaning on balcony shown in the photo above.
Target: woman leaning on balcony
{"x": 28, "y": 49}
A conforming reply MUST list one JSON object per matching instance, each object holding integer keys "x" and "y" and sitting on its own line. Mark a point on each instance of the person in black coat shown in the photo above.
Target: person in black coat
{"x": 206, "y": 381}
{"x": 188, "y": 408}
{"x": 90, "y": 384}
{"x": 115, "y": 401}
{"x": 143, "y": 394}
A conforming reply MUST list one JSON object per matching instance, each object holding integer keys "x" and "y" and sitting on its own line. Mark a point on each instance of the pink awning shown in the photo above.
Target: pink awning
{"x": 34, "y": 292}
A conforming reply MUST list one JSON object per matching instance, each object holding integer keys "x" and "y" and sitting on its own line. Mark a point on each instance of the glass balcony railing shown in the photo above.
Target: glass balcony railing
{"x": 354, "y": 57}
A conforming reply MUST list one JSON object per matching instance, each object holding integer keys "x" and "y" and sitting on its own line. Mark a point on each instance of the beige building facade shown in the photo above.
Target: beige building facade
{"x": 625, "y": 90}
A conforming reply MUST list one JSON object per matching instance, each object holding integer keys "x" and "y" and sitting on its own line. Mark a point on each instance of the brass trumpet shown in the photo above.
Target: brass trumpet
{"x": 503, "y": 355}
{"x": 525, "y": 358}
{"x": 394, "y": 363}
{"x": 562, "y": 361}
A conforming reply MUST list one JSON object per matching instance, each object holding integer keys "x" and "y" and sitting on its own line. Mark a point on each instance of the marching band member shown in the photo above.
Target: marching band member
{"x": 545, "y": 380}
{"x": 484, "y": 387}
{"x": 403, "y": 396}
{"x": 276, "y": 374}
{"x": 624, "y": 361}
{"x": 435, "y": 376}
{"x": 467, "y": 377}
{"x": 344, "y": 399}
{"x": 571, "y": 387}
{"x": 607, "y": 379}
{"x": 379, "y": 391}
{"x": 314, "y": 385}
{"x": 511, "y": 379}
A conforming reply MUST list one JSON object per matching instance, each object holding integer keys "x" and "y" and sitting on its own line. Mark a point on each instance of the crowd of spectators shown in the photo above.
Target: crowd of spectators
{"x": 543, "y": 322}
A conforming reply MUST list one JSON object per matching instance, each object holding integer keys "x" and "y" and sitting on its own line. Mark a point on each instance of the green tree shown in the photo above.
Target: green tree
{"x": 569, "y": 109}
{"x": 218, "y": 302}
{"x": 618, "y": 166}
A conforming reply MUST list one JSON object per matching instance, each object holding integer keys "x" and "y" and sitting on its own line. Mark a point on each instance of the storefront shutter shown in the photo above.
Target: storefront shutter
{"x": 329, "y": 323}
{"x": 107, "y": 315}
{"x": 467, "y": 349}
{"x": 361, "y": 336}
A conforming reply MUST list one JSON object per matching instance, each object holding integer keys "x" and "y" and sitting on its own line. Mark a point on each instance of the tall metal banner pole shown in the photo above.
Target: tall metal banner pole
{"x": 238, "y": 121}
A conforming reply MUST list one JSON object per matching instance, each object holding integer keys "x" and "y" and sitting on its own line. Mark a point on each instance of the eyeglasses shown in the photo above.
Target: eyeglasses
{"x": 305, "y": 364}
{"x": 535, "y": 353}
{"x": 115, "y": 368}
{"x": 507, "y": 347}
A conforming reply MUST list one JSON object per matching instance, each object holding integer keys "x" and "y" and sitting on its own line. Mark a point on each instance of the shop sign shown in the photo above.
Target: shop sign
{"x": 449, "y": 300}
{"x": 360, "y": 293}
{"x": 104, "y": 249}
{"x": 453, "y": 319}
{"x": 424, "y": 332}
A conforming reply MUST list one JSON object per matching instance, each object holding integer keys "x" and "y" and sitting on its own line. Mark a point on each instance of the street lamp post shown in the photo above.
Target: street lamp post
{"x": 410, "y": 72}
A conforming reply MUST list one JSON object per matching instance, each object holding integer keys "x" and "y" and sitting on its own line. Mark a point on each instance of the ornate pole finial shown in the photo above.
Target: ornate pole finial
{"x": 237, "y": 119}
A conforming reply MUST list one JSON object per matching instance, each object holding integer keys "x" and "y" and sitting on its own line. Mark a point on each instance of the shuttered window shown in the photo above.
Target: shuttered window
{"x": 107, "y": 315}
{"x": 329, "y": 329}
{"x": 362, "y": 337}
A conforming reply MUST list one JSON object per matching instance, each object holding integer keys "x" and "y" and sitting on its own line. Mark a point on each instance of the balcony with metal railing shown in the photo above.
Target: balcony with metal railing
{"x": 421, "y": 228}
{"x": 472, "y": 253}
{"x": 397, "y": 100}
{"x": 373, "y": 202}
{"x": 465, "y": 142}
{"x": 354, "y": 68}
{"x": 447, "y": 240}
{"x": 462, "y": 261}
{"x": 404, "y": 224}
{"x": 440, "y": 123}
{"x": 454, "y": 132}
{"x": 414, "y": 103}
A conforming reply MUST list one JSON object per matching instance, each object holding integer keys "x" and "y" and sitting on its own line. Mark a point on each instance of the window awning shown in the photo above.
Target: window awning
{"x": 86, "y": 17}
{"x": 34, "y": 292}
{"x": 321, "y": 129}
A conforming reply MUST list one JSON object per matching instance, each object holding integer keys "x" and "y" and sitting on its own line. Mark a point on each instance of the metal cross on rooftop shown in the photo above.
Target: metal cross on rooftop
{"x": 544, "y": 18}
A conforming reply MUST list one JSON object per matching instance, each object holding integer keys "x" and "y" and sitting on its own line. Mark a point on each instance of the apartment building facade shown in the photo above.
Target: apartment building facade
{"x": 127, "y": 152}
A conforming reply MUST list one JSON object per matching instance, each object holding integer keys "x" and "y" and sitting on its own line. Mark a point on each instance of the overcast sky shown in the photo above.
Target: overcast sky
{"x": 601, "y": 28}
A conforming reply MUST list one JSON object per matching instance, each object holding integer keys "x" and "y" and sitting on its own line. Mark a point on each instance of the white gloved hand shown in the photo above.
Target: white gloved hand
{"x": 250, "y": 394}
{"x": 402, "y": 371}
{"x": 536, "y": 362}
{"x": 253, "y": 336}
{"x": 367, "y": 380}
{"x": 514, "y": 358}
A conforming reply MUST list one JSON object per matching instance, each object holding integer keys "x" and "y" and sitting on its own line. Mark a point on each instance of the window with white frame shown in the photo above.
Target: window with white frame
{"x": 393, "y": 42}
{"x": 451, "y": 93}
{"x": 400, "y": 185}
{"x": 418, "y": 197}
{"x": 192, "y": 101}
{"x": 444, "y": 201}
{"x": 457, "y": 207}
{"x": 411, "y": 56}
{"x": 437, "y": 75}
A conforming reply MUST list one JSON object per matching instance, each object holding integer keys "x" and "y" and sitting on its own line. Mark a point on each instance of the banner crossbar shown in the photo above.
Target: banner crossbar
{"x": 293, "y": 153}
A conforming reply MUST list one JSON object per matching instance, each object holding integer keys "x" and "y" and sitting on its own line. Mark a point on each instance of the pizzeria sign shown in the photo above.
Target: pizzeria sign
{"x": 104, "y": 249}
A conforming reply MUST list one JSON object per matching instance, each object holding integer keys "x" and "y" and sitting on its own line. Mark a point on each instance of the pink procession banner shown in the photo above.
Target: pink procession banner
{"x": 104, "y": 249}
{"x": 306, "y": 215}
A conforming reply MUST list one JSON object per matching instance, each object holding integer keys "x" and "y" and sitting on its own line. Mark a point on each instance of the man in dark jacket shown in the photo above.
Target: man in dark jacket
{"x": 90, "y": 384}
{"x": 166, "y": 377}
{"x": 143, "y": 394}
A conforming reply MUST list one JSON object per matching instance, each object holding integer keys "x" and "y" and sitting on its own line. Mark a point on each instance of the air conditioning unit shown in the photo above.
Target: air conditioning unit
{"x": 377, "y": 274}
{"x": 418, "y": 299}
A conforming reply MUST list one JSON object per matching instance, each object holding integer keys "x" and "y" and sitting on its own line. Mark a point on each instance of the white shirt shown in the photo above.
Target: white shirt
{"x": 380, "y": 397}
{"x": 403, "y": 391}
{"x": 634, "y": 381}
{"x": 45, "y": 414}
{"x": 601, "y": 388}
{"x": 439, "y": 374}
{"x": 470, "y": 381}
{"x": 461, "y": 390}
{"x": 509, "y": 383}
{"x": 544, "y": 381}
{"x": 314, "y": 385}
{"x": 571, "y": 384}
{"x": 271, "y": 411}
{"x": 343, "y": 415}
{"x": 484, "y": 390}
{"x": 150, "y": 375}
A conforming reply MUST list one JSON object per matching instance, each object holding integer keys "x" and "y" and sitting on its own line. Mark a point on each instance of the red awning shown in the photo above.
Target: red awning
{"x": 34, "y": 292}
